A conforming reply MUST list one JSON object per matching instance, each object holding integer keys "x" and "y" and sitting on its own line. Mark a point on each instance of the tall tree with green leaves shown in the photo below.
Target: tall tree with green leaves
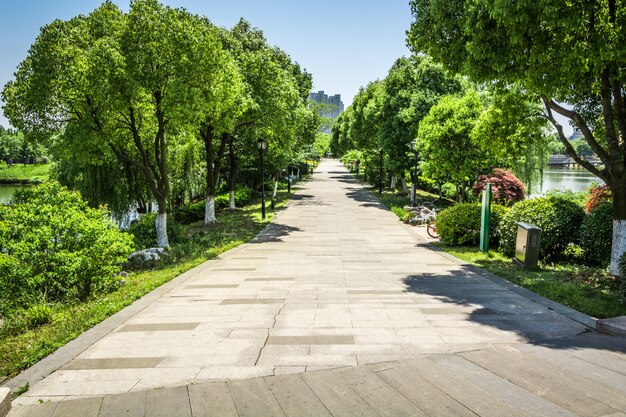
{"x": 445, "y": 142}
{"x": 411, "y": 88}
{"x": 124, "y": 83}
{"x": 565, "y": 52}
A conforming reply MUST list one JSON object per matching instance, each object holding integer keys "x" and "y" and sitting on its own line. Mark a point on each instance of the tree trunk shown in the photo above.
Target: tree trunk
{"x": 232, "y": 175}
{"x": 161, "y": 228}
{"x": 209, "y": 210}
{"x": 618, "y": 249}
{"x": 394, "y": 179}
{"x": 213, "y": 164}
{"x": 405, "y": 189}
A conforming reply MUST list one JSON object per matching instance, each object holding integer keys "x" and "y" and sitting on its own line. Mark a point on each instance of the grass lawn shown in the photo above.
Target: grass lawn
{"x": 589, "y": 290}
{"x": 201, "y": 243}
{"x": 24, "y": 173}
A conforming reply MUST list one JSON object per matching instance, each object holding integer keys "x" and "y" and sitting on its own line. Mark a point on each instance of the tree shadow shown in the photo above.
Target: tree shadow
{"x": 480, "y": 296}
{"x": 366, "y": 198}
{"x": 274, "y": 232}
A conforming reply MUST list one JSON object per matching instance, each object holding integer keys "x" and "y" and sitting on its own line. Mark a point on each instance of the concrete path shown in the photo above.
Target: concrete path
{"x": 339, "y": 309}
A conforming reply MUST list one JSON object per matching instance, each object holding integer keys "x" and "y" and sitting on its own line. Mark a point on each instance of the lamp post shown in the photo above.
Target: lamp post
{"x": 261, "y": 144}
{"x": 414, "y": 196}
{"x": 380, "y": 173}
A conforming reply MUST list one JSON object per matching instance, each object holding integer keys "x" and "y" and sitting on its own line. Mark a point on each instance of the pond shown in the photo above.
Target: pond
{"x": 574, "y": 179}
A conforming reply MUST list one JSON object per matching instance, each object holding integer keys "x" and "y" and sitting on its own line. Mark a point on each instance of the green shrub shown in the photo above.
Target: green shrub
{"x": 144, "y": 231}
{"x": 596, "y": 234}
{"x": 460, "y": 224}
{"x": 194, "y": 212}
{"x": 54, "y": 246}
{"x": 38, "y": 314}
{"x": 559, "y": 219}
{"x": 191, "y": 212}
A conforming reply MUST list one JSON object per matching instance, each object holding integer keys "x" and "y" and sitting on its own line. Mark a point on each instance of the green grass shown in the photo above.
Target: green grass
{"x": 19, "y": 173}
{"x": 592, "y": 291}
{"x": 201, "y": 243}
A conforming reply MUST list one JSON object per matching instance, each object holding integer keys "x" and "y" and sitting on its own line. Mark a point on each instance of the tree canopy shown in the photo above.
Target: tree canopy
{"x": 565, "y": 52}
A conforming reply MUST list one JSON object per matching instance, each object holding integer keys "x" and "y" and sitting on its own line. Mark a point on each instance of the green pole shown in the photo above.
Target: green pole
{"x": 485, "y": 213}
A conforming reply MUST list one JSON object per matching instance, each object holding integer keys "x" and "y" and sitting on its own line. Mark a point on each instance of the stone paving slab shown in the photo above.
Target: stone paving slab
{"x": 335, "y": 281}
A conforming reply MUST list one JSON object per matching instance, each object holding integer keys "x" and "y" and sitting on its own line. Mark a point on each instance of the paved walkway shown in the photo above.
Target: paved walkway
{"x": 338, "y": 309}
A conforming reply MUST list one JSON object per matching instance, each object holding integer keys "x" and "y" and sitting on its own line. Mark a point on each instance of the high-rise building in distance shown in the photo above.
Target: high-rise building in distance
{"x": 333, "y": 106}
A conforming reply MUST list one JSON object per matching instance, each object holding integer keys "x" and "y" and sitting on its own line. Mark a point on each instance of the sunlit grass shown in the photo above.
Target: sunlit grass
{"x": 24, "y": 173}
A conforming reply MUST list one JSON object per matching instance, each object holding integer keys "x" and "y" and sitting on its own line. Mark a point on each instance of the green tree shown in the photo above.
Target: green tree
{"x": 121, "y": 83}
{"x": 445, "y": 142}
{"x": 411, "y": 88}
{"x": 565, "y": 52}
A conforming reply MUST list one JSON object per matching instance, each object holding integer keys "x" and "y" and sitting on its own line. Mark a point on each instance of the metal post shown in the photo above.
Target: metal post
{"x": 380, "y": 174}
{"x": 484, "y": 219}
{"x": 415, "y": 176}
{"x": 262, "y": 183}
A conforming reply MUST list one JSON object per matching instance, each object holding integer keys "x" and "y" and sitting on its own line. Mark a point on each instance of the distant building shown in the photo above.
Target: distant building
{"x": 332, "y": 105}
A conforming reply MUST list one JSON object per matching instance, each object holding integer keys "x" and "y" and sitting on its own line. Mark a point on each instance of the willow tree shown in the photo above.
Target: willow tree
{"x": 563, "y": 51}
{"x": 124, "y": 83}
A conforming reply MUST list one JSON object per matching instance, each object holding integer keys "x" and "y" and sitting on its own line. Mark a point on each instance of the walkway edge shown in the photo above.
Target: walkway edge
{"x": 5, "y": 401}
{"x": 561, "y": 309}
{"x": 75, "y": 347}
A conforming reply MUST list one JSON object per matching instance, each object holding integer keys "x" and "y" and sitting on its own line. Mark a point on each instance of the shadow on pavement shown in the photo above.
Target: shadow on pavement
{"x": 490, "y": 304}
{"x": 366, "y": 199}
{"x": 274, "y": 232}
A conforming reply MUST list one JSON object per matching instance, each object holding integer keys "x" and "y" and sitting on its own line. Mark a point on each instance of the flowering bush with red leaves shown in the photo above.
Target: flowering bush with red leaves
{"x": 505, "y": 186}
{"x": 598, "y": 195}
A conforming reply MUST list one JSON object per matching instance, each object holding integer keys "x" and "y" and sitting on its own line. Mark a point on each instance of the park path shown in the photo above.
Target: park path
{"x": 336, "y": 309}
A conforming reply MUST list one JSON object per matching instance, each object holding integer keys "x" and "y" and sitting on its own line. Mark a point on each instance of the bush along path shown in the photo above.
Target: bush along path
{"x": 42, "y": 312}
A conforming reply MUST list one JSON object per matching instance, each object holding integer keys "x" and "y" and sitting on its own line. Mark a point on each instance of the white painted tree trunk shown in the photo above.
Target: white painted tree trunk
{"x": 394, "y": 180}
{"x": 209, "y": 210}
{"x": 161, "y": 229}
{"x": 412, "y": 193}
{"x": 619, "y": 245}
{"x": 404, "y": 187}
{"x": 233, "y": 205}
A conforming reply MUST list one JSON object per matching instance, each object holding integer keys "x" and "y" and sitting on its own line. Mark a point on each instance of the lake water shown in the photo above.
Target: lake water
{"x": 574, "y": 179}
{"x": 7, "y": 191}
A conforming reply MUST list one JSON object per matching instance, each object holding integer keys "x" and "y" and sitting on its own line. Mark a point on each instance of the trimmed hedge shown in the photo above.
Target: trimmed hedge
{"x": 460, "y": 224}
{"x": 559, "y": 219}
{"x": 596, "y": 234}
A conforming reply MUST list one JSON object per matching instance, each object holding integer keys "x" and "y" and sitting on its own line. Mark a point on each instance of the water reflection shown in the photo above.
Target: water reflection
{"x": 574, "y": 179}
{"x": 7, "y": 191}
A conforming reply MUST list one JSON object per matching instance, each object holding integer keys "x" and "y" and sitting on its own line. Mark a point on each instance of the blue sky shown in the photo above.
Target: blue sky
{"x": 343, "y": 43}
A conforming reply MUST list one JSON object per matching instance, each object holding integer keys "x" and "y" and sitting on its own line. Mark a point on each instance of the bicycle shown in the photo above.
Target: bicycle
{"x": 423, "y": 215}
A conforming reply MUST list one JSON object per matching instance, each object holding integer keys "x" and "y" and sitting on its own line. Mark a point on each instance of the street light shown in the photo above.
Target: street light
{"x": 261, "y": 144}
{"x": 380, "y": 173}
{"x": 413, "y": 147}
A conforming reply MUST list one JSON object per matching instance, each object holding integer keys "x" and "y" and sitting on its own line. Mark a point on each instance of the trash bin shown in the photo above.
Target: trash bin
{"x": 527, "y": 245}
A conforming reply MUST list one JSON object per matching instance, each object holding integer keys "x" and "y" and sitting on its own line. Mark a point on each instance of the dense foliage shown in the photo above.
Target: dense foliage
{"x": 54, "y": 247}
{"x": 596, "y": 233}
{"x": 560, "y": 51}
{"x": 505, "y": 186}
{"x": 156, "y": 104}
{"x": 559, "y": 219}
{"x": 597, "y": 196}
{"x": 460, "y": 224}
